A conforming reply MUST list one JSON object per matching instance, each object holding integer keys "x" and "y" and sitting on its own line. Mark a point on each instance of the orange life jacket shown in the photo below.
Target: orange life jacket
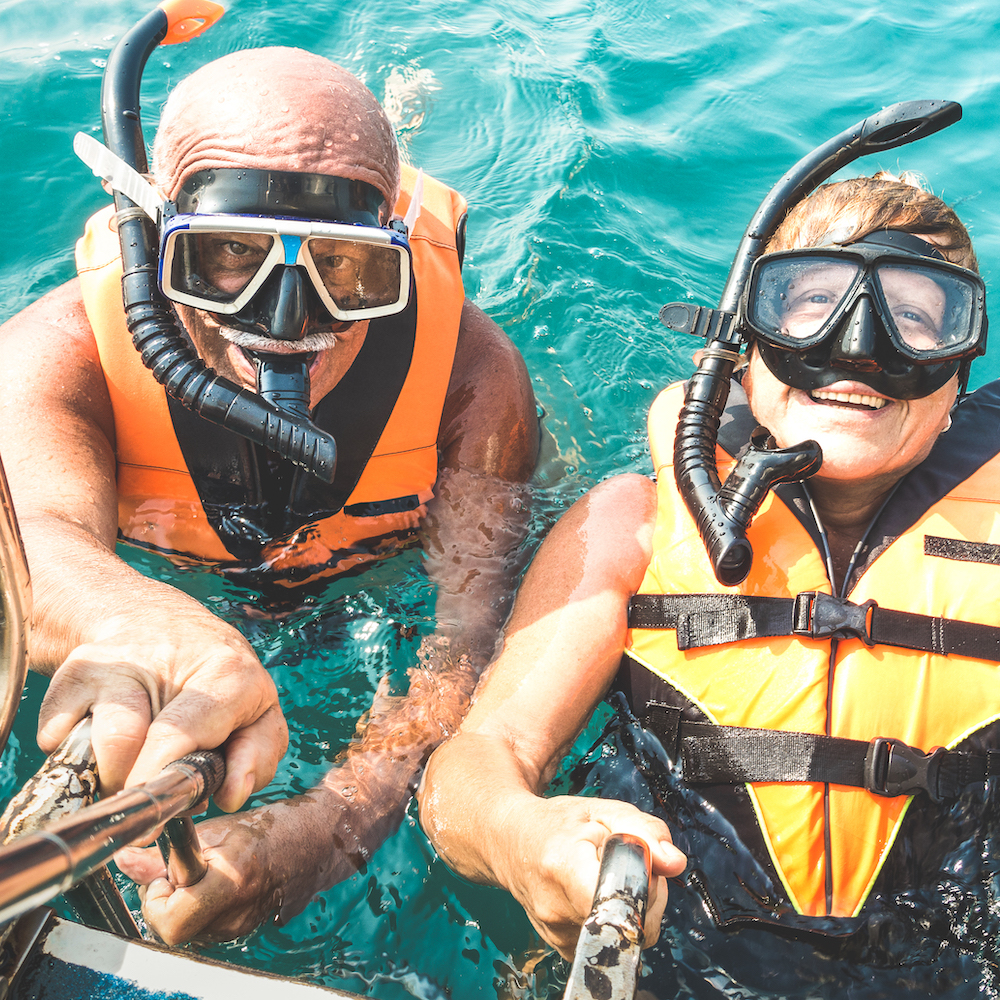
{"x": 190, "y": 489}
{"x": 933, "y": 550}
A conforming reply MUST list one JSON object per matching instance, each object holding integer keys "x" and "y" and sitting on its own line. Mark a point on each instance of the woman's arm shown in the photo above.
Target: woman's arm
{"x": 481, "y": 799}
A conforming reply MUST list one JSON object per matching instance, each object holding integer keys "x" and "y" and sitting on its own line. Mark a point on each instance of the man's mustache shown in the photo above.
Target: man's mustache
{"x": 320, "y": 341}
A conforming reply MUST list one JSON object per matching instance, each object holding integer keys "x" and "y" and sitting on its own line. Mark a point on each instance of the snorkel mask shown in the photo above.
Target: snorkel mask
{"x": 862, "y": 321}
{"x": 887, "y": 311}
{"x": 268, "y": 253}
{"x": 276, "y": 255}
{"x": 266, "y": 248}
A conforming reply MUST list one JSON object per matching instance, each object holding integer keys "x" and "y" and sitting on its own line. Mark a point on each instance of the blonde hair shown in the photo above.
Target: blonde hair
{"x": 849, "y": 210}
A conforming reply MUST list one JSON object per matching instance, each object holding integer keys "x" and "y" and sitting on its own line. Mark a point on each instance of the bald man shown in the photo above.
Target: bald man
{"x": 435, "y": 423}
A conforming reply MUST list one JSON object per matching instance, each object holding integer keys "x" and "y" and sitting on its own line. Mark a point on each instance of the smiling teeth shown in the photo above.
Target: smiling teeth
{"x": 875, "y": 402}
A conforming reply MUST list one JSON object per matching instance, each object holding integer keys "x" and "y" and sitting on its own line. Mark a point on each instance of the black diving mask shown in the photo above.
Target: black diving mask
{"x": 888, "y": 311}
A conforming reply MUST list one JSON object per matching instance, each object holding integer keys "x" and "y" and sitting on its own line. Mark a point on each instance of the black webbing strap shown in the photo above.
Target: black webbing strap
{"x": 713, "y": 619}
{"x": 713, "y": 755}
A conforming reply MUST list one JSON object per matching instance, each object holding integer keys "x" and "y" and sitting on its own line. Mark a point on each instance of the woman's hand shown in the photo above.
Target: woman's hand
{"x": 553, "y": 849}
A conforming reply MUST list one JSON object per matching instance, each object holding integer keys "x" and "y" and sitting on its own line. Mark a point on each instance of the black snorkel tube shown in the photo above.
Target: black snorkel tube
{"x": 150, "y": 318}
{"x": 723, "y": 512}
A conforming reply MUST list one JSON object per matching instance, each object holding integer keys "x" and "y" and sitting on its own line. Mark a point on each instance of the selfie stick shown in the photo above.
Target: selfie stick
{"x": 39, "y": 866}
{"x": 606, "y": 962}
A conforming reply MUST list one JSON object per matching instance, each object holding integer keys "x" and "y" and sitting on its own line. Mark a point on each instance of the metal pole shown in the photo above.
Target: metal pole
{"x": 606, "y": 962}
{"x": 182, "y": 853}
{"x": 39, "y": 866}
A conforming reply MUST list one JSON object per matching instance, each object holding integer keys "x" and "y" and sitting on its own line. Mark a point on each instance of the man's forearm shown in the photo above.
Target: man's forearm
{"x": 78, "y": 585}
{"x": 336, "y": 827}
{"x": 472, "y": 542}
{"x": 82, "y": 591}
{"x": 160, "y": 674}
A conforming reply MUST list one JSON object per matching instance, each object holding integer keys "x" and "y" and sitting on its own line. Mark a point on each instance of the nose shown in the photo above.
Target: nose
{"x": 291, "y": 311}
{"x": 855, "y": 345}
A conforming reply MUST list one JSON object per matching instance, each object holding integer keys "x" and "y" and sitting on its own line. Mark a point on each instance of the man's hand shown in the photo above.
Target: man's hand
{"x": 239, "y": 889}
{"x": 161, "y": 689}
{"x": 278, "y": 856}
{"x": 270, "y": 859}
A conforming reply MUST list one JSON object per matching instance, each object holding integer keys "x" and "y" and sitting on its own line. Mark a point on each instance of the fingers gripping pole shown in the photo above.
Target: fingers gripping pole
{"x": 606, "y": 962}
{"x": 37, "y": 867}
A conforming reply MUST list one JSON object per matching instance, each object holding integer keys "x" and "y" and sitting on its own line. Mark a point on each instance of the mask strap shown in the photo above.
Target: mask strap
{"x": 122, "y": 177}
{"x": 413, "y": 212}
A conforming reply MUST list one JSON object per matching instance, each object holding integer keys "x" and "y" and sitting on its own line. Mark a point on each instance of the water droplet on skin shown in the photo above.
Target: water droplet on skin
{"x": 328, "y": 143}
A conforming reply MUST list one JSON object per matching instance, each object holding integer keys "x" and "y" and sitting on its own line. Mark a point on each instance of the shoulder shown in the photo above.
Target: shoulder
{"x": 618, "y": 514}
{"x": 52, "y": 334}
{"x": 489, "y": 421}
{"x": 600, "y": 547}
{"x": 50, "y": 358}
{"x": 484, "y": 353}
{"x": 62, "y": 307}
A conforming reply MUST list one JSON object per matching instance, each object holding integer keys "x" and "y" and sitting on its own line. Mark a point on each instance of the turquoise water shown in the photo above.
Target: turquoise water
{"x": 612, "y": 153}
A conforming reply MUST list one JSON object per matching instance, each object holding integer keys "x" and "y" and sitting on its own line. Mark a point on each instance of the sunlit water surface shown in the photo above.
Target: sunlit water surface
{"x": 612, "y": 152}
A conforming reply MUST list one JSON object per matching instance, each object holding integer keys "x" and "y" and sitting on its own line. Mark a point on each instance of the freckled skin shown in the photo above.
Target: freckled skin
{"x": 277, "y": 109}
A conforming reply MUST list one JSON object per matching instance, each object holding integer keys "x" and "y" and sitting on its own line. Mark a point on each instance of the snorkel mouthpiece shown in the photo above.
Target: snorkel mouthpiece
{"x": 149, "y": 317}
{"x": 762, "y": 468}
{"x": 283, "y": 381}
{"x": 723, "y": 512}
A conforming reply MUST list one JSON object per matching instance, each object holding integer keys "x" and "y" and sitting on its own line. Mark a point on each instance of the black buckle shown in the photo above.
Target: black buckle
{"x": 892, "y": 768}
{"x": 822, "y": 616}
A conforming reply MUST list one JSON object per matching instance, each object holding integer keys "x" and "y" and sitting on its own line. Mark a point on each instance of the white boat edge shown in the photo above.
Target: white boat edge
{"x": 149, "y": 968}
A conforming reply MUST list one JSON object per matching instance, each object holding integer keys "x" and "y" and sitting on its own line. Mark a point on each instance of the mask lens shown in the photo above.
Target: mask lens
{"x": 357, "y": 275}
{"x": 793, "y": 300}
{"x": 932, "y": 310}
{"x": 358, "y": 272}
{"x": 218, "y": 266}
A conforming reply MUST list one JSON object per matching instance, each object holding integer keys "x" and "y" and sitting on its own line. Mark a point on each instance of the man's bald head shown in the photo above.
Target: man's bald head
{"x": 275, "y": 109}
